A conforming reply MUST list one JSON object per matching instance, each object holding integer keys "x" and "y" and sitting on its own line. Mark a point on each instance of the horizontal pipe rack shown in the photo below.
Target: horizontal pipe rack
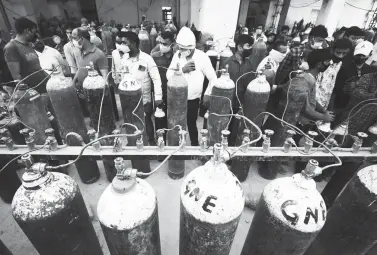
{"x": 194, "y": 153}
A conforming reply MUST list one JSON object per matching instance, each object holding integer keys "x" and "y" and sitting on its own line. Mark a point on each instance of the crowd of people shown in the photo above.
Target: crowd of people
{"x": 323, "y": 76}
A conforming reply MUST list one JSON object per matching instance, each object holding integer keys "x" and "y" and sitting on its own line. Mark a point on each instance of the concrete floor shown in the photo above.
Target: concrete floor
{"x": 167, "y": 191}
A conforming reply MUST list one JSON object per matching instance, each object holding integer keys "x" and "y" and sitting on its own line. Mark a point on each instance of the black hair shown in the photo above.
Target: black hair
{"x": 121, "y": 34}
{"x": 22, "y": 24}
{"x": 260, "y": 25}
{"x": 279, "y": 43}
{"x": 319, "y": 31}
{"x": 356, "y": 31}
{"x": 167, "y": 35}
{"x": 70, "y": 25}
{"x": 198, "y": 35}
{"x": 285, "y": 27}
{"x": 132, "y": 37}
{"x": 243, "y": 39}
{"x": 83, "y": 33}
{"x": 318, "y": 56}
{"x": 342, "y": 44}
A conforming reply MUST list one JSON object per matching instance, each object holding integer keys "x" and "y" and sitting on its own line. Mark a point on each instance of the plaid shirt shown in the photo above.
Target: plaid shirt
{"x": 365, "y": 88}
{"x": 291, "y": 62}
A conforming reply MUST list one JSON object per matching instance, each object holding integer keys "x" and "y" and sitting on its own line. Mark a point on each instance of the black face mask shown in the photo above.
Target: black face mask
{"x": 246, "y": 53}
{"x": 323, "y": 68}
{"x": 336, "y": 59}
{"x": 360, "y": 61}
{"x": 39, "y": 46}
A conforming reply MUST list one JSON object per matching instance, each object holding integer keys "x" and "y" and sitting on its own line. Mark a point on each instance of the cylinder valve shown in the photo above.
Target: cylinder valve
{"x": 224, "y": 138}
{"x": 267, "y": 139}
{"x": 309, "y": 142}
{"x": 160, "y": 139}
{"x": 139, "y": 140}
{"x": 358, "y": 141}
{"x": 204, "y": 140}
{"x": 289, "y": 140}
{"x": 331, "y": 142}
{"x": 8, "y": 142}
{"x": 51, "y": 140}
{"x": 93, "y": 136}
{"x": 245, "y": 140}
{"x": 29, "y": 137}
{"x": 118, "y": 141}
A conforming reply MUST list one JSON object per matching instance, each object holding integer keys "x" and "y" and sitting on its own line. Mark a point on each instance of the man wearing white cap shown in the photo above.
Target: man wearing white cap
{"x": 195, "y": 65}
{"x": 348, "y": 77}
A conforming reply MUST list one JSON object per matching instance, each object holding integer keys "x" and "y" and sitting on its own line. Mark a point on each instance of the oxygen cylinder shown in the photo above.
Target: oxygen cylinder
{"x": 50, "y": 210}
{"x": 256, "y": 99}
{"x": 222, "y": 90}
{"x": 258, "y": 53}
{"x": 153, "y": 36}
{"x": 269, "y": 73}
{"x": 145, "y": 44}
{"x": 94, "y": 86}
{"x": 177, "y": 92}
{"x": 127, "y": 211}
{"x": 55, "y": 125}
{"x": 32, "y": 111}
{"x": 351, "y": 223}
{"x": 289, "y": 216}
{"x": 4, "y": 250}
{"x": 241, "y": 165}
{"x": 212, "y": 201}
{"x": 212, "y": 54}
{"x": 13, "y": 125}
{"x": 9, "y": 181}
{"x": 205, "y": 121}
{"x": 372, "y": 134}
{"x": 131, "y": 100}
{"x": 224, "y": 56}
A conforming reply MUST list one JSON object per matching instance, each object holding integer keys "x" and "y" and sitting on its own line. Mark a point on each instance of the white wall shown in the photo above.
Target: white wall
{"x": 296, "y": 14}
{"x": 57, "y": 9}
{"x": 125, "y": 11}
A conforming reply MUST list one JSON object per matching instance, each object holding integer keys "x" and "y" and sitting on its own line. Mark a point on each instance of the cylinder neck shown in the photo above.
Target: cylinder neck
{"x": 125, "y": 178}
{"x": 35, "y": 173}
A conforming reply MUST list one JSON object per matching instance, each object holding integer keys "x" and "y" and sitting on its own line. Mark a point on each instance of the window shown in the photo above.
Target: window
{"x": 166, "y": 14}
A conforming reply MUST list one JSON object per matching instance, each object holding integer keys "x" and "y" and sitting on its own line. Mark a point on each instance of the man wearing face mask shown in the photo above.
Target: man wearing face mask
{"x": 259, "y": 35}
{"x": 275, "y": 57}
{"x": 117, "y": 56}
{"x": 143, "y": 68}
{"x": 72, "y": 54}
{"x": 89, "y": 53}
{"x": 355, "y": 35}
{"x": 326, "y": 80}
{"x": 51, "y": 59}
{"x": 195, "y": 65}
{"x": 22, "y": 59}
{"x": 95, "y": 39}
{"x": 163, "y": 54}
{"x": 301, "y": 95}
{"x": 348, "y": 76}
{"x": 296, "y": 57}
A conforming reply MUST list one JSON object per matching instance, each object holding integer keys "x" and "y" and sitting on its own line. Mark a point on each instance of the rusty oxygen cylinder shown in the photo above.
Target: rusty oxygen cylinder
{"x": 62, "y": 93}
{"x": 290, "y": 214}
{"x": 4, "y": 250}
{"x": 32, "y": 111}
{"x": 222, "y": 90}
{"x": 177, "y": 93}
{"x": 55, "y": 222}
{"x": 351, "y": 227}
{"x": 131, "y": 99}
{"x": 212, "y": 201}
{"x": 145, "y": 44}
{"x": 127, "y": 212}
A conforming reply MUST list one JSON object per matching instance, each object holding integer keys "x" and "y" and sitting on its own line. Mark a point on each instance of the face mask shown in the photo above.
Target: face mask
{"x": 336, "y": 59}
{"x": 185, "y": 54}
{"x": 245, "y": 33}
{"x": 124, "y": 48}
{"x": 164, "y": 49}
{"x": 304, "y": 66}
{"x": 76, "y": 44}
{"x": 258, "y": 31}
{"x": 323, "y": 68}
{"x": 39, "y": 46}
{"x": 317, "y": 45}
{"x": 117, "y": 45}
{"x": 32, "y": 37}
{"x": 246, "y": 53}
{"x": 359, "y": 41}
{"x": 359, "y": 61}
{"x": 277, "y": 56}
